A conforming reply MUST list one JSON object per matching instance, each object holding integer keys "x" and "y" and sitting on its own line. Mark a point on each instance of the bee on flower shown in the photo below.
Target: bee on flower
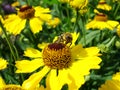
{"x": 60, "y": 64}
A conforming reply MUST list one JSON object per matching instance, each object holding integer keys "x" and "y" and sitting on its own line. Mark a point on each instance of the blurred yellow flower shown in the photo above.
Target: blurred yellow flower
{"x": 36, "y": 16}
{"x": 4, "y": 86}
{"x": 80, "y": 4}
{"x": 53, "y": 22}
{"x": 118, "y": 30}
{"x": 15, "y": 4}
{"x": 103, "y": 5}
{"x": 101, "y": 22}
{"x": 60, "y": 64}
{"x": 3, "y": 63}
{"x": 113, "y": 84}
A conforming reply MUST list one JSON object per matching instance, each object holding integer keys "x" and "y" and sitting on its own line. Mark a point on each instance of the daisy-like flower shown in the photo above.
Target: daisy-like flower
{"x": 3, "y": 63}
{"x": 80, "y": 4}
{"x": 101, "y": 22}
{"x": 113, "y": 84}
{"x": 60, "y": 64}
{"x": 103, "y": 5}
{"x": 15, "y": 23}
{"x": 53, "y": 22}
{"x": 4, "y": 86}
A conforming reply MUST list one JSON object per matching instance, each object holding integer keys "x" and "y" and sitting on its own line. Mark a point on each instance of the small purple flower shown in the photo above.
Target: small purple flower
{"x": 7, "y": 8}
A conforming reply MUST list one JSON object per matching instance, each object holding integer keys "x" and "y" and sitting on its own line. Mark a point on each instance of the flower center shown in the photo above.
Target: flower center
{"x": 101, "y": 17}
{"x": 12, "y": 87}
{"x": 102, "y": 2}
{"x": 26, "y": 12}
{"x": 57, "y": 56}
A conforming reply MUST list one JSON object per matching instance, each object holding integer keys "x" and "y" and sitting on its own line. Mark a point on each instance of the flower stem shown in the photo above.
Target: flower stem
{"x": 8, "y": 41}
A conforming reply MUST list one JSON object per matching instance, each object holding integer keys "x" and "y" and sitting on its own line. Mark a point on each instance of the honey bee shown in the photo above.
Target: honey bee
{"x": 64, "y": 38}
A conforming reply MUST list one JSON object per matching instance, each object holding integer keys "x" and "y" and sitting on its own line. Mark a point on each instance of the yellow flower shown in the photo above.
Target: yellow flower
{"x": 15, "y": 4}
{"x": 101, "y": 22}
{"x": 60, "y": 64}
{"x": 4, "y": 86}
{"x": 118, "y": 30}
{"x": 3, "y": 63}
{"x": 113, "y": 84}
{"x": 36, "y": 16}
{"x": 103, "y": 5}
{"x": 78, "y": 3}
{"x": 53, "y": 22}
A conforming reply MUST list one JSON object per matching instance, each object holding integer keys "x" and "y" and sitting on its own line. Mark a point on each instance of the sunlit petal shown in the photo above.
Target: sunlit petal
{"x": 33, "y": 53}
{"x": 36, "y": 25}
{"x": 2, "y": 83}
{"x": 3, "y": 63}
{"x": 34, "y": 79}
{"x": 26, "y": 66}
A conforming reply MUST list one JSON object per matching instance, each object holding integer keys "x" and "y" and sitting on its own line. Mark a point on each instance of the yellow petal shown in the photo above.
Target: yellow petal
{"x": 116, "y": 76}
{"x": 18, "y": 28}
{"x": 75, "y": 37}
{"x": 95, "y": 24}
{"x": 110, "y": 85}
{"x": 36, "y": 25}
{"x": 55, "y": 82}
{"x": 33, "y": 53}
{"x": 43, "y": 13}
{"x": 77, "y": 81}
{"x": 14, "y": 24}
{"x": 104, "y": 7}
{"x": 92, "y": 51}
{"x": 41, "y": 88}
{"x": 83, "y": 66}
{"x": 39, "y": 10}
{"x": 3, "y": 63}
{"x": 45, "y": 17}
{"x": 78, "y": 52}
{"x": 2, "y": 83}
{"x": 112, "y": 24}
{"x": 26, "y": 66}
{"x": 42, "y": 46}
{"x": 34, "y": 79}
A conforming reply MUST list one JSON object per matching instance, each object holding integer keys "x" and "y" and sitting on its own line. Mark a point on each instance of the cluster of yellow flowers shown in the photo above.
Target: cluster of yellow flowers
{"x": 58, "y": 62}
